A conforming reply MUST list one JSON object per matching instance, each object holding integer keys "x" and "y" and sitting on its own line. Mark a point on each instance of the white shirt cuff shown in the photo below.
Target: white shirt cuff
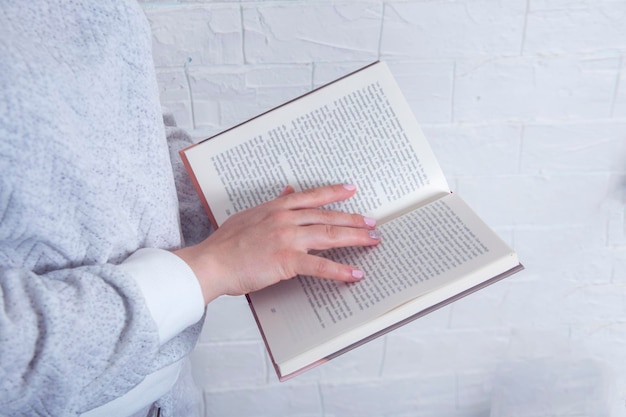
{"x": 170, "y": 288}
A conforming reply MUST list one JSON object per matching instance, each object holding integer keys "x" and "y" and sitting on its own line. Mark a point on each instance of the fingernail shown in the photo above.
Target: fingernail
{"x": 349, "y": 187}
{"x": 369, "y": 221}
{"x": 374, "y": 234}
{"x": 357, "y": 274}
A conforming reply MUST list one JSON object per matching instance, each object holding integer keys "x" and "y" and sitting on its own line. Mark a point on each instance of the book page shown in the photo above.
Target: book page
{"x": 423, "y": 251}
{"x": 358, "y": 130}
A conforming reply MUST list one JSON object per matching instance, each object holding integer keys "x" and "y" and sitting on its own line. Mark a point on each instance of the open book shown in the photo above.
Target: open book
{"x": 358, "y": 129}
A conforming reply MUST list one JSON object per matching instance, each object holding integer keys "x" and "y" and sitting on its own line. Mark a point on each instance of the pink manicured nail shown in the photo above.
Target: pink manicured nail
{"x": 350, "y": 187}
{"x": 357, "y": 274}
{"x": 369, "y": 221}
{"x": 374, "y": 234}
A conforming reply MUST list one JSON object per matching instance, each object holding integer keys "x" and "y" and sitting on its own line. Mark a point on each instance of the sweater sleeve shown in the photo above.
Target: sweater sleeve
{"x": 68, "y": 335}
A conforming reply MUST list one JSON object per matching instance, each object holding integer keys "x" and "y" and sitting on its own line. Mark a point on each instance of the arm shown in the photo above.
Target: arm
{"x": 67, "y": 336}
{"x": 256, "y": 248}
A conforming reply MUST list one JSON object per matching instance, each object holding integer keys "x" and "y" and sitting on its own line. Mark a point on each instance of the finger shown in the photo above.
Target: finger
{"x": 319, "y": 196}
{"x": 287, "y": 190}
{"x": 317, "y": 266}
{"x": 321, "y": 237}
{"x": 306, "y": 217}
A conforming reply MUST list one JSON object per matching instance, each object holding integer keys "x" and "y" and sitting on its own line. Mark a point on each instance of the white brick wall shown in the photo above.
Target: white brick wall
{"x": 524, "y": 102}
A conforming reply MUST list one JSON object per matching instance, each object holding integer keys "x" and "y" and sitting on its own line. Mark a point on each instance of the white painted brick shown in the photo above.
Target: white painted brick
{"x": 476, "y": 150}
{"x": 217, "y": 82}
{"x": 279, "y": 76}
{"x": 603, "y": 340}
{"x": 229, "y": 364}
{"x": 305, "y": 32}
{"x": 480, "y": 310}
{"x": 240, "y": 94}
{"x": 207, "y": 115}
{"x": 575, "y": 27}
{"x": 552, "y": 387}
{"x": 432, "y": 352}
{"x": 287, "y": 399}
{"x": 437, "y": 319}
{"x": 210, "y": 89}
{"x": 606, "y": 301}
{"x": 206, "y": 2}
{"x": 259, "y": 101}
{"x": 173, "y": 85}
{"x": 537, "y": 303}
{"x": 619, "y": 266}
{"x": 229, "y": 319}
{"x": 615, "y": 209}
{"x": 544, "y": 201}
{"x": 577, "y": 147}
{"x": 591, "y": 266}
{"x": 540, "y": 342}
{"x": 362, "y": 363}
{"x": 196, "y": 35}
{"x": 446, "y": 29}
{"x": 427, "y": 87}
{"x": 427, "y": 395}
{"x": 325, "y": 72}
{"x": 174, "y": 95}
{"x": 475, "y": 392}
{"x": 619, "y": 105}
{"x": 577, "y": 254}
{"x": 534, "y": 89}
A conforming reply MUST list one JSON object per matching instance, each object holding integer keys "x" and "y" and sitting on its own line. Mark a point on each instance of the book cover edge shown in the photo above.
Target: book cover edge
{"x": 196, "y": 185}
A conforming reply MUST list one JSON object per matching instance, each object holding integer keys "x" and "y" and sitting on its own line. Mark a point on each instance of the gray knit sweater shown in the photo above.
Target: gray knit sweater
{"x": 85, "y": 181}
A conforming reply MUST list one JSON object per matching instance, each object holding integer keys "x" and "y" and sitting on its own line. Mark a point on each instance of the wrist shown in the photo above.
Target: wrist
{"x": 200, "y": 264}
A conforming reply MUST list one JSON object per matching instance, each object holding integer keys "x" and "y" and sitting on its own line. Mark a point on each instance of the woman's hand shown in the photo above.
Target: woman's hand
{"x": 260, "y": 246}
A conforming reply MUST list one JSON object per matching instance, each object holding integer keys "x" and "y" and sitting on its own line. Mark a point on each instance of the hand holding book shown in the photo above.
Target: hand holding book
{"x": 270, "y": 242}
